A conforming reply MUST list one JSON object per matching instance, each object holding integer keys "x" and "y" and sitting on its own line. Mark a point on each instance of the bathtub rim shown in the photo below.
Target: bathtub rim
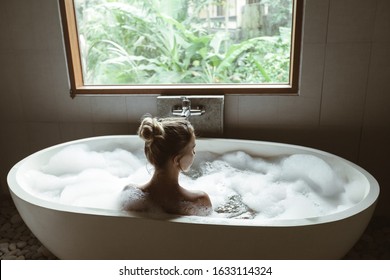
{"x": 369, "y": 200}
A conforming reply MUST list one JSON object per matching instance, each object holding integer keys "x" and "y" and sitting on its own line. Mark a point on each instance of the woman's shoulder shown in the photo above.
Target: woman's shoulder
{"x": 133, "y": 198}
{"x": 131, "y": 187}
{"x": 197, "y": 203}
{"x": 196, "y": 195}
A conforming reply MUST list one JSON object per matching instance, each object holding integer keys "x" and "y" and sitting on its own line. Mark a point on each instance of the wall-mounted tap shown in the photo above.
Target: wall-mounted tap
{"x": 185, "y": 109}
{"x": 204, "y": 111}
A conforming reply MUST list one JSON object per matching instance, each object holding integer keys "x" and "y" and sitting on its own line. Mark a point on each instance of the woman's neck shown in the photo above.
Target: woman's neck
{"x": 165, "y": 179}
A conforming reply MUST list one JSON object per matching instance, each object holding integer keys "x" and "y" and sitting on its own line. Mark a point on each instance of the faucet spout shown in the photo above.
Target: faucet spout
{"x": 185, "y": 109}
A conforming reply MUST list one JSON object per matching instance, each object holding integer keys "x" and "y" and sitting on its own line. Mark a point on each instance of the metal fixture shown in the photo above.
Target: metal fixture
{"x": 205, "y": 112}
{"x": 185, "y": 109}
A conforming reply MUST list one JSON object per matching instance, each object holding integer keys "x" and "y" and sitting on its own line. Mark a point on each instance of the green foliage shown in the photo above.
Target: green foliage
{"x": 141, "y": 42}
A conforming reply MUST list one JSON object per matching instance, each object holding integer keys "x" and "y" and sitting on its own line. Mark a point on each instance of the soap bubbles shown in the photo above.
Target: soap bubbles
{"x": 239, "y": 185}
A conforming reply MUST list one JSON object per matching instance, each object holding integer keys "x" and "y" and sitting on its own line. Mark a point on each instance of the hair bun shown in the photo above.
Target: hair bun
{"x": 150, "y": 129}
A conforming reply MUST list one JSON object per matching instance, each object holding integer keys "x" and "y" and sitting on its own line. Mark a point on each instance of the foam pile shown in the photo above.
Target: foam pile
{"x": 284, "y": 187}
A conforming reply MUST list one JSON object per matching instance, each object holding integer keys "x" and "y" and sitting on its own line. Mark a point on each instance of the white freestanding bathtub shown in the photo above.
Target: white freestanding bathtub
{"x": 72, "y": 232}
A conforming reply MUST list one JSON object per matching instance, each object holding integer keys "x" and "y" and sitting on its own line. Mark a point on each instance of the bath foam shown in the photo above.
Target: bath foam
{"x": 239, "y": 185}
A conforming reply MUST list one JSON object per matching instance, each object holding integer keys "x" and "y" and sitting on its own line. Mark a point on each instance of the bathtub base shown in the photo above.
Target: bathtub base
{"x": 174, "y": 240}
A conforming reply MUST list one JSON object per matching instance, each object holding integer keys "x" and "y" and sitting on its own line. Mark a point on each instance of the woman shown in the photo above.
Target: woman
{"x": 170, "y": 148}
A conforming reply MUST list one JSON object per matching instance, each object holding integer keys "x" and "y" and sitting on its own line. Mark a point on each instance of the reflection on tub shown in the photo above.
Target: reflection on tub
{"x": 241, "y": 186}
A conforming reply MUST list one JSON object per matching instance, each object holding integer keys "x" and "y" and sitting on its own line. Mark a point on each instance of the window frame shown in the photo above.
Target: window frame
{"x": 77, "y": 87}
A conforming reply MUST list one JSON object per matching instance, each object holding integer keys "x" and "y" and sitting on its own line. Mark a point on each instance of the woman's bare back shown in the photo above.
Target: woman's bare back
{"x": 180, "y": 203}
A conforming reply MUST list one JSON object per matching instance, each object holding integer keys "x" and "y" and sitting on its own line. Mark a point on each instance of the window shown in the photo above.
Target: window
{"x": 182, "y": 46}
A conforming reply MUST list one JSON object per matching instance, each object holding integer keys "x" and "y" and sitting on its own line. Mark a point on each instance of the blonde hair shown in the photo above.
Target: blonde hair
{"x": 164, "y": 138}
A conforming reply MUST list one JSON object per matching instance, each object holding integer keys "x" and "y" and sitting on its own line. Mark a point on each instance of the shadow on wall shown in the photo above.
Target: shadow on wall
{"x": 343, "y": 142}
{"x": 374, "y": 156}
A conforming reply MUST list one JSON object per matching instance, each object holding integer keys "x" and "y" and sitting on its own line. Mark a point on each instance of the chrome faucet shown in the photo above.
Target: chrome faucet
{"x": 185, "y": 109}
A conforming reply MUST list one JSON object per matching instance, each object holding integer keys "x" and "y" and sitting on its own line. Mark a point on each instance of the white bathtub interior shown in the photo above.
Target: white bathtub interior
{"x": 355, "y": 192}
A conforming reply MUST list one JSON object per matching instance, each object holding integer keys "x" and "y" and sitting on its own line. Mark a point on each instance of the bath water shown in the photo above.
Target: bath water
{"x": 239, "y": 185}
